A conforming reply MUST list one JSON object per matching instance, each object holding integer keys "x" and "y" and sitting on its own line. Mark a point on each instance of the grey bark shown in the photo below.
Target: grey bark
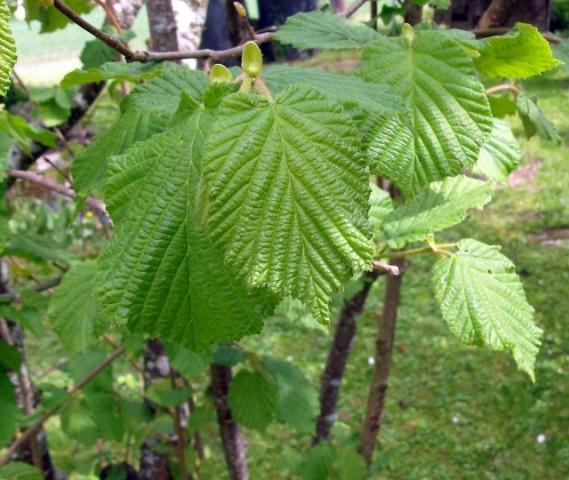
{"x": 162, "y": 25}
{"x": 232, "y": 441}
{"x": 384, "y": 347}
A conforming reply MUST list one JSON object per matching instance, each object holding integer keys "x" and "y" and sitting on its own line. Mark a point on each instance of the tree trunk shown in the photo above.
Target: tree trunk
{"x": 497, "y": 14}
{"x": 338, "y": 5}
{"x": 190, "y": 18}
{"x": 232, "y": 441}
{"x": 337, "y": 358}
{"x": 162, "y": 25}
{"x": 384, "y": 346}
{"x": 127, "y": 11}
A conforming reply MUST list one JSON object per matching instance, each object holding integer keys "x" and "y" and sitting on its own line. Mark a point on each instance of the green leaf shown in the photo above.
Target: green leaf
{"x": 500, "y": 154}
{"x": 161, "y": 271}
{"x": 447, "y": 114}
{"x": 380, "y": 205}
{"x": 187, "y": 363}
{"x": 522, "y": 53}
{"x": 349, "y": 465}
{"x": 7, "y": 48}
{"x": 272, "y": 172}
{"x": 253, "y": 399}
{"x": 164, "y": 395}
{"x": 23, "y": 132}
{"x": 437, "y": 207}
{"x": 323, "y": 30}
{"x": 52, "y": 19}
{"x": 10, "y": 357}
{"x": 483, "y": 302}
{"x": 162, "y": 94}
{"x": 89, "y": 168}
{"x": 297, "y": 401}
{"x": 73, "y": 312}
{"x": 534, "y": 121}
{"x": 125, "y": 72}
{"x": 20, "y": 471}
{"x": 502, "y": 105}
{"x": 561, "y": 52}
{"x": 317, "y": 463}
{"x": 337, "y": 87}
{"x": 11, "y": 413}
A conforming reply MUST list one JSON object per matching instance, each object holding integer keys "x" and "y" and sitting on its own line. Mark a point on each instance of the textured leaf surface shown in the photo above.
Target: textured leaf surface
{"x": 439, "y": 206}
{"x": 7, "y": 48}
{"x": 380, "y": 206}
{"x": 161, "y": 270}
{"x": 89, "y": 168}
{"x": 534, "y": 121}
{"x": 341, "y": 88}
{"x": 521, "y": 54}
{"x": 483, "y": 302}
{"x": 447, "y": 113}
{"x": 324, "y": 30}
{"x": 297, "y": 402}
{"x": 128, "y": 72}
{"x": 73, "y": 310}
{"x": 162, "y": 94}
{"x": 288, "y": 194}
{"x": 500, "y": 153}
{"x": 253, "y": 399}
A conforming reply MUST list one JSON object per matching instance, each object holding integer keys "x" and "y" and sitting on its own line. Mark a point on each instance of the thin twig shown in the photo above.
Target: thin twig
{"x": 93, "y": 203}
{"x": 386, "y": 267}
{"x": 506, "y": 87}
{"x": 111, "y": 15}
{"x": 22, "y": 439}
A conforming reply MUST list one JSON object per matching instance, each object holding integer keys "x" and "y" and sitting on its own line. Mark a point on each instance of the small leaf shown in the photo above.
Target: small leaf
{"x": 252, "y": 60}
{"x": 502, "y": 105}
{"x": 324, "y": 30}
{"x": 253, "y": 399}
{"x": 534, "y": 121}
{"x": 10, "y": 357}
{"x": 522, "y": 53}
{"x": 73, "y": 312}
{"x": 130, "y": 72}
{"x": 20, "y": 471}
{"x": 439, "y": 206}
{"x": 483, "y": 302}
{"x": 317, "y": 462}
{"x": 500, "y": 154}
{"x": 7, "y": 48}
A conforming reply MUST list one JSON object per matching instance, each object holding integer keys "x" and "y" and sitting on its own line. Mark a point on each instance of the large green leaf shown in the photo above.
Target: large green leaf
{"x": 161, "y": 270}
{"x": 73, "y": 312}
{"x": 89, "y": 168}
{"x": 288, "y": 194}
{"x": 439, "y": 206}
{"x": 7, "y": 48}
{"x": 253, "y": 399}
{"x": 341, "y": 88}
{"x": 447, "y": 113}
{"x": 20, "y": 471}
{"x": 324, "y": 30}
{"x": 520, "y": 54}
{"x": 483, "y": 302}
{"x": 500, "y": 153}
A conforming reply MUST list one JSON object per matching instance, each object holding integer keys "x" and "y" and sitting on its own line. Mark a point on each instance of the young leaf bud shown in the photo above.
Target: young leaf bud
{"x": 252, "y": 60}
{"x": 220, "y": 74}
{"x": 240, "y": 9}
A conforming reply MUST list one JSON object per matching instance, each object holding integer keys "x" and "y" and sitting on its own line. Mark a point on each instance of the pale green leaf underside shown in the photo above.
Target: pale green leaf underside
{"x": 7, "y": 48}
{"x": 523, "y": 53}
{"x": 437, "y": 207}
{"x": 500, "y": 153}
{"x": 73, "y": 312}
{"x": 447, "y": 113}
{"x": 326, "y": 31}
{"x": 483, "y": 301}
{"x": 340, "y": 88}
{"x": 533, "y": 119}
{"x": 161, "y": 271}
{"x": 288, "y": 194}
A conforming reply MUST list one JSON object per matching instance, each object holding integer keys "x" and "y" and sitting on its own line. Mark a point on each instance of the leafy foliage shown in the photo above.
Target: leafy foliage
{"x": 533, "y": 119}
{"x": 130, "y": 72}
{"x": 7, "y": 48}
{"x": 271, "y": 170}
{"x": 500, "y": 154}
{"x": 522, "y": 53}
{"x": 447, "y": 114}
{"x": 323, "y": 30}
{"x": 439, "y": 206}
{"x": 483, "y": 302}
